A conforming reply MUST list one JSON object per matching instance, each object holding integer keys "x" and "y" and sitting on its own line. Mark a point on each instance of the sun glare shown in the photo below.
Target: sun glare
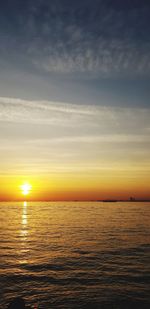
{"x": 26, "y": 188}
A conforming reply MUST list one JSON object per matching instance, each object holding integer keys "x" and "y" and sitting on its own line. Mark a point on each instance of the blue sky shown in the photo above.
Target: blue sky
{"x": 94, "y": 52}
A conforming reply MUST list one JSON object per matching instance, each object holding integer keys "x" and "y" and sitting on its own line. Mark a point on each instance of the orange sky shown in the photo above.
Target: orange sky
{"x": 76, "y": 186}
{"x": 73, "y": 152}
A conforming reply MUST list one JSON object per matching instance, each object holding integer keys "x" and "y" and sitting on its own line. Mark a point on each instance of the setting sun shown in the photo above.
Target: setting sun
{"x": 26, "y": 188}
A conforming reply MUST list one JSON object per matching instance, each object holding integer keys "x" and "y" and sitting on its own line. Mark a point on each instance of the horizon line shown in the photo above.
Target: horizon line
{"x": 77, "y": 200}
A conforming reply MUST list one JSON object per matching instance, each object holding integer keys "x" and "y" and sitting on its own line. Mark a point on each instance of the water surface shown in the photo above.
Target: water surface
{"x": 75, "y": 255}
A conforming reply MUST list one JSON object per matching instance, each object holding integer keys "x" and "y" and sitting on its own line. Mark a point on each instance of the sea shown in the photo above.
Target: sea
{"x": 69, "y": 255}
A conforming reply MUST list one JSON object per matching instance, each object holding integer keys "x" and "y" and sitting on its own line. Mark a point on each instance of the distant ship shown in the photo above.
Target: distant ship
{"x": 109, "y": 201}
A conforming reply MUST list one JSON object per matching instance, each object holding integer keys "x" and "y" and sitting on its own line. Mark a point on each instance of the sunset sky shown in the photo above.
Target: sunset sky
{"x": 75, "y": 99}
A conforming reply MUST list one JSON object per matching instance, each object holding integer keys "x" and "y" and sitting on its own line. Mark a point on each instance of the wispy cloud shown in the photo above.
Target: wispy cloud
{"x": 57, "y": 122}
{"x": 105, "y": 58}
{"x": 122, "y": 119}
{"x": 48, "y": 137}
{"x": 100, "y": 38}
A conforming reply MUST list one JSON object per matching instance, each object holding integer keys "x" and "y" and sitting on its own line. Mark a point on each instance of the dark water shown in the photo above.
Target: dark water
{"x": 75, "y": 255}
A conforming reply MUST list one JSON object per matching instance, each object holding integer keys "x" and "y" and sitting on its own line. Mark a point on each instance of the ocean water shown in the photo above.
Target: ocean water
{"x": 75, "y": 254}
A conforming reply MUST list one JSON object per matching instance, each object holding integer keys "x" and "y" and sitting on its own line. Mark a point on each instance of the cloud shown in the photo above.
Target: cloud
{"x": 100, "y": 40}
{"x": 105, "y": 58}
{"x": 81, "y": 119}
{"x": 97, "y": 38}
{"x": 45, "y": 136}
{"x": 44, "y": 112}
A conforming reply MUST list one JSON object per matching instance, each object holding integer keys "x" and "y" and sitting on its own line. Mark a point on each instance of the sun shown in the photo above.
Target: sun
{"x": 26, "y": 188}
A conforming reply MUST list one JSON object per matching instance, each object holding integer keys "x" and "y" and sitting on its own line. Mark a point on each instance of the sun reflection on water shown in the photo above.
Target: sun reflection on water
{"x": 24, "y": 234}
{"x": 24, "y": 229}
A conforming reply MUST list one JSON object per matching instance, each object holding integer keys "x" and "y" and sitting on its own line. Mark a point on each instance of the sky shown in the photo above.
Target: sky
{"x": 75, "y": 99}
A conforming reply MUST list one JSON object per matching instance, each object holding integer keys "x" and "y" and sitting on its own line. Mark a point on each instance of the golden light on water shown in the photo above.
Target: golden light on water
{"x": 26, "y": 188}
{"x": 24, "y": 215}
{"x": 24, "y": 235}
{"x": 24, "y": 231}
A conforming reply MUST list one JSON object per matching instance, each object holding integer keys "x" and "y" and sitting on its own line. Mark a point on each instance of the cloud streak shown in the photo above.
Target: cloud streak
{"x": 64, "y": 122}
{"x": 54, "y": 138}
